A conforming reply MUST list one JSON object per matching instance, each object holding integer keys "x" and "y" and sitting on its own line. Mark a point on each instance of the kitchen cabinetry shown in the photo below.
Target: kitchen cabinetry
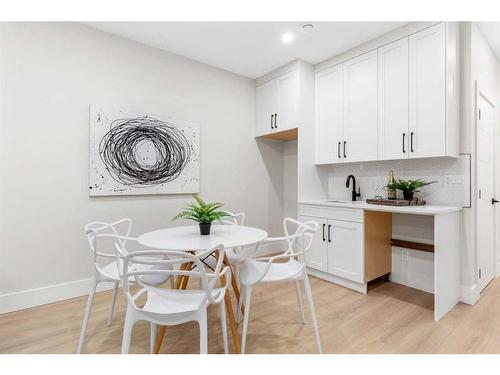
{"x": 399, "y": 101}
{"x": 360, "y": 108}
{"x": 280, "y": 101}
{"x": 393, "y": 132}
{"x": 427, "y": 96}
{"x": 329, "y": 110}
{"x": 338, "y": 247}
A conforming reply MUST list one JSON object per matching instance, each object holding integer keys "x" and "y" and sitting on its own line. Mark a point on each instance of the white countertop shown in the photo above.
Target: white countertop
{"x": 362, "y": 205}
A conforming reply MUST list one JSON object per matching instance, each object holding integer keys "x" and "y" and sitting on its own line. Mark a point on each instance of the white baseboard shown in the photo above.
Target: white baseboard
{"x": 48, "y": 294}
{"x": 358, "y": 287}
{"x": 470, "y": 294}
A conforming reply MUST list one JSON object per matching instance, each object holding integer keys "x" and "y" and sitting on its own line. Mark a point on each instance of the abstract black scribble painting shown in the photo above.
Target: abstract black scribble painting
{"x": 142, "y": 154}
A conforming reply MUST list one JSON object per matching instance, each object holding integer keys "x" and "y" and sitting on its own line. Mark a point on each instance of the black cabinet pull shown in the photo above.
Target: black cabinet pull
{"x": 411, "y": 141}
{"x": 272, "y": 116}
{"x": 344, "y": 149}
{"x": 338, "y": 150}
{"x": 329, "y": 233}
{"x": 275, "y": 119}
{"x": 324, "y": 232}
{"x": 404, "y": 151}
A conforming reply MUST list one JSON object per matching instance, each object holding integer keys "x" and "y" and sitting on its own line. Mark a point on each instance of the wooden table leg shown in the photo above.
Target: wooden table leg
{"x": 180, "y": 283}
{"x": 230, "y": 313}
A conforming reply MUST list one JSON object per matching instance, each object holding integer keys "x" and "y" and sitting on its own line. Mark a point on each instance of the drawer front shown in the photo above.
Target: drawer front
{"x": 333, "y": 213}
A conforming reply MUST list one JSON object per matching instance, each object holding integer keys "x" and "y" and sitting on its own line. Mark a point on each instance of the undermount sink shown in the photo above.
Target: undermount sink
{"x": 341, "y": 201}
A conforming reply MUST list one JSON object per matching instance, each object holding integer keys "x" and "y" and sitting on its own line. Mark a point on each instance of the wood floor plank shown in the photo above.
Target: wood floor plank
{"x": 391, "y": 318}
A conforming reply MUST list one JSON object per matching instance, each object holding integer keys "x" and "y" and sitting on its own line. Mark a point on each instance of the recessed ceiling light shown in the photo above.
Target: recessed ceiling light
{"x": 287, "y": 37}
{"x": 306, "y": 28}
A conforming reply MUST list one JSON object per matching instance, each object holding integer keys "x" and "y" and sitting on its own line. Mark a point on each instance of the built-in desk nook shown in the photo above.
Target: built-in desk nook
{"x": 359, "y": 242}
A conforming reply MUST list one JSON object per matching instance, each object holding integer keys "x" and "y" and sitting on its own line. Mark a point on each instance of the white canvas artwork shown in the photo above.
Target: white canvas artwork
{"x": 138, "y": 153}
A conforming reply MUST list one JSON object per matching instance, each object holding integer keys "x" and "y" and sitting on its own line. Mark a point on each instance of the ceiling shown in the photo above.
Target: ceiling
{"x": 250, "y": 49}
{"x": 491, "y": 31}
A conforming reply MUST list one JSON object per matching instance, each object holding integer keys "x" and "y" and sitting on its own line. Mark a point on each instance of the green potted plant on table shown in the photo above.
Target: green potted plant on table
{"x": 203, "y": 213}
{"x": 410, "y": 187}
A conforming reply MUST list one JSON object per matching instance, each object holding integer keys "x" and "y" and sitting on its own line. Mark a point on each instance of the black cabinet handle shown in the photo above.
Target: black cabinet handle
{"x": 329, "y": 233}
{"x": 344, "y": 149}
{"x": 338, "y": 150}
{"x": 404, "y": 135}
{"x": 272, "y": 116}
{"x": 324, "y": 232}
{"x": 493, "y": 201}
{"x": 275, "y": 119}
{"x": 411, "y": 141}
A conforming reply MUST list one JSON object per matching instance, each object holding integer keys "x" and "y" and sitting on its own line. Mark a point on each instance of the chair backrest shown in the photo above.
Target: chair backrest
{"x": 299, "y": 240}
{"x": 145, "y": 264}
{"x": 102, "y": 237}
{"x": 234, "y": 219}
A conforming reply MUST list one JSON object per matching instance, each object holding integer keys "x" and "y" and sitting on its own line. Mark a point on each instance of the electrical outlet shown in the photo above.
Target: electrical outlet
{"x": 454, "y": 180}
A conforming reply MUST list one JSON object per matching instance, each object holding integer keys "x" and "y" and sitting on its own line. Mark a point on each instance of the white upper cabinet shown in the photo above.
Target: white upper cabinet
{"x": 281, "y": 99}
{"x": 264, "y": 108}
{"x": 399, "y": 101}
{"x": 427, "y": 97}
{"x": 329, "y": 109}
{"x": 393, "y": 132}
{"x": 360, "y": 108}
{"x": 286, "y": 99}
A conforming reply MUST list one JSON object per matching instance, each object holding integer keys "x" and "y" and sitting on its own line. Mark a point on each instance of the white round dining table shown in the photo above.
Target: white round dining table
{"x": 188, "y": 238}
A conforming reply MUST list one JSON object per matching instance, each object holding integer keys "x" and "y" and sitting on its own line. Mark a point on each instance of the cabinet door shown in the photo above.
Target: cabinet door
{"x": 428, "y": 92}
{"x": 346, "y": 250}
{"x": 328, "y": 115}
{"x": 317, "y": 256}
{"x": 393, "y": 134}
{"x": 286, "y": 101}
{"x": 360, "y": 108}
{"x": 264, "y": 107}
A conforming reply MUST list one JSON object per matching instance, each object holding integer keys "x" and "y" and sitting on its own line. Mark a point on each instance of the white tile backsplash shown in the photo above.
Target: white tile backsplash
{"x": 371, "y": 177}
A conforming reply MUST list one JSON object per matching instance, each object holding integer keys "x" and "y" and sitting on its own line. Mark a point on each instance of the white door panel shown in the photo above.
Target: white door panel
{"x": 486, "y": 192}
{"x": 360, "y": 108}
{"x": 329, "y": 121}
{"x": 346, "y": 250}
{"x": 264, "y": 103}
{"x": 427, "y": 82}
{"x": 286, "y": 101}
{"x": 393, "y": 132}
{"x": 317, "y": 256}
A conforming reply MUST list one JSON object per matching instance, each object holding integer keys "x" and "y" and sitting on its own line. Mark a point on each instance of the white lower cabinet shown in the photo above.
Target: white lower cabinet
{"x": 338, "y": 246}
{"x": 345, "y": 250}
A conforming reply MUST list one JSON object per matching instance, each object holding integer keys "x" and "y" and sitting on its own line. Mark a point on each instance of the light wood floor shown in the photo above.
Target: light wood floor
{"x": 390, "y": 319}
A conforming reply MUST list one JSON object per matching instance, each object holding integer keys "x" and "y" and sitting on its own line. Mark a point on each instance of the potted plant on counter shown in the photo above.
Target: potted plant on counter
{"x": 410, "y": 187}
{"x": 203, "y": 213}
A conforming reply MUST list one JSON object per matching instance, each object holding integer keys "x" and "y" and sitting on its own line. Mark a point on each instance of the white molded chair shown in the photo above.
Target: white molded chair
{"x": 103, "y": 272}
{"x": 173, "y": 306}
{"x": 102, "y": 238}
{"x": 290, "y": 268}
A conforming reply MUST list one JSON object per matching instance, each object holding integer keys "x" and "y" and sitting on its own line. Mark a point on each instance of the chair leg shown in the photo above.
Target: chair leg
{"x": 240, "y": 302}
{"x": 299, "y": 300}
{"x": 113, "y": 301}
{"x": 223, "y": 324}
{"x": 246, "y": 315}
{"x": 152, "y": 338}
{"x": 172, "y": 282}
{"x": 130, "y": 320}
{"x": 312, "y": 312}
{"x": 86, "y": 317}
{"x": 202, "y": 322}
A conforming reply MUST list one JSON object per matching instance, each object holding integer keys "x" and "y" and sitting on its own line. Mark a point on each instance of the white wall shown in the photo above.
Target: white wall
{"x": 49, "y": 74}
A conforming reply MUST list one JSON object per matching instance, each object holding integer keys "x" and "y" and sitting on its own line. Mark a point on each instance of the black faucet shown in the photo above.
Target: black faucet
{"x": 354, "y": 193}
